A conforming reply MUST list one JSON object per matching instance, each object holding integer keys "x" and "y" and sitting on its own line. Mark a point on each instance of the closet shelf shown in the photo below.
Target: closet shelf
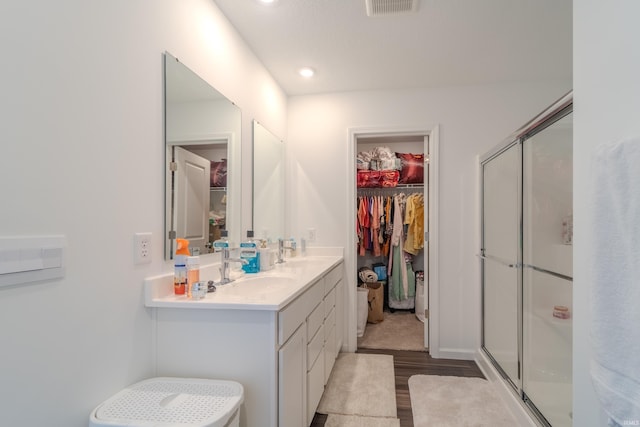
{"x": 397, "y": 187}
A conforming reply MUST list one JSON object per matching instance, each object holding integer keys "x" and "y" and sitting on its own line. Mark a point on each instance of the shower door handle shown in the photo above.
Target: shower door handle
{"x": 552, "y": 273}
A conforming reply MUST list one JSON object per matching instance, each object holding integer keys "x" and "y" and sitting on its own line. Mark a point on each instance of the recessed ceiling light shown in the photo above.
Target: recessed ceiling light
{"x": 267, "y": 1}
{"x": 306, "y": 72}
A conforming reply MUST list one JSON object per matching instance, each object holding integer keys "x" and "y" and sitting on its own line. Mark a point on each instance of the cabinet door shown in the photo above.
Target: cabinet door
{"x": 292, "y": 380}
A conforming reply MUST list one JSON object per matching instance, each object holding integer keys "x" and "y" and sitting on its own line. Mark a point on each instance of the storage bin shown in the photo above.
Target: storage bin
{"x": 171, "y": 402}
{"x": 420, "y": 295}
{"x": 362, "y": 310}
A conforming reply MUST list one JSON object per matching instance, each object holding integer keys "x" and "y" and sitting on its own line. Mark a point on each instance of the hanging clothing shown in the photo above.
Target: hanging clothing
{"x": 398, "y": 273}
{"x": 363, "y": 225}
{"x": 375, "y": 226}
{"x": 392, "y": 226}
{"x": 414, "y": 219}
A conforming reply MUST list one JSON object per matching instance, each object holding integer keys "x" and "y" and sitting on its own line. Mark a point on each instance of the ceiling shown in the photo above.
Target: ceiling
{"x": 445, "y": 43}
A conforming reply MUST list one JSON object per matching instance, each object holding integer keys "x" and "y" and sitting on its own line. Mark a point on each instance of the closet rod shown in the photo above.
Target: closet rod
{"x": 399, "y": 186}
{"x": 387, "y": 190}
{"x": 373, "y": 192}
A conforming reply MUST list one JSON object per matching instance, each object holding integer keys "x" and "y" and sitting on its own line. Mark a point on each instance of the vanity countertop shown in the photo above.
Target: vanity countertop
{"x": 269, "y": 290}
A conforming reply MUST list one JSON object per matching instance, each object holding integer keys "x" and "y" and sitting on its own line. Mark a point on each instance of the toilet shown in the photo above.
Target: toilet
{"x": 168, "y": 402}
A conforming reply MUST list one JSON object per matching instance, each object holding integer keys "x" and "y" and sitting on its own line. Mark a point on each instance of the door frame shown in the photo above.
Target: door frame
{"x": 432, "y": 327}
{"x": 233, "y": 181}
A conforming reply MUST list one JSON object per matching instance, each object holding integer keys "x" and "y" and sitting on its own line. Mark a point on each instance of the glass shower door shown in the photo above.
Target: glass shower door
{"x": 500, "y": 260}
{"x": 547, "y": 274}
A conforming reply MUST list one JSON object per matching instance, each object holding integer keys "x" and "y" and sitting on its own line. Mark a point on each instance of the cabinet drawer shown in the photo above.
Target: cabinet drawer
{"x": 294, "y": 314}
{"x": 329, "y": 323}
{"x": 330, "y": 354}
{"x": 314, "y": 348}
{"x": 314, "y": 321}
{"x": 332, "y": 277}
{"x": 315, "y": 388}
{"x": 329, "y": 302}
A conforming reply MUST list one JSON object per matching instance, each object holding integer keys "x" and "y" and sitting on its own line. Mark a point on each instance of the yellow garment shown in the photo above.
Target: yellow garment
{"x": 414, "y": 218}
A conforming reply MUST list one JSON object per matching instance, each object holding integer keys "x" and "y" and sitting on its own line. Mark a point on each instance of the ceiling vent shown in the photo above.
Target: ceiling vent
{"x": 390, "y": 7}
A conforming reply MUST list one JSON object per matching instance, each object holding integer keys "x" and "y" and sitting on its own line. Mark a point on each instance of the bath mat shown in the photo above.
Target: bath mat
{"x": 398, "y": 331}
{"x": 357, "y": 421}
{"x": 445, "y": 401}
{"x": 361, "y": 384}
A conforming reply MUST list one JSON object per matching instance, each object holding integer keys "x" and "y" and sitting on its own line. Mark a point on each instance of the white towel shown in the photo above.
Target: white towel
{"x": 615, "y": 296}
{"x": 367, "y": 275}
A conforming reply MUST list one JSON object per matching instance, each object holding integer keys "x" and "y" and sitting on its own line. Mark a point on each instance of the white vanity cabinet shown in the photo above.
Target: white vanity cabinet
{"x": 314, "y": 316}
{"x": 282, "y": 355}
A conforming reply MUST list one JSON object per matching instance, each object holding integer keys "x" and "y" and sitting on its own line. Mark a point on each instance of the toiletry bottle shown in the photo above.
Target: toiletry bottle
{"x": 264, "y": 254}
{"x": 293, "y": 247}
{"x": 180, "y": 266}
{"x": 222, "y": 242}
{"x": 193, "y": 272}
{"x": 249, "y": 252}
{"x": 303, "y": 247}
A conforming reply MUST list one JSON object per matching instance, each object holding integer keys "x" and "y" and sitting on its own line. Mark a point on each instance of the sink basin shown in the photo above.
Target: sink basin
{"x": 257, "y": 288}
{"x": 265, "y": 281}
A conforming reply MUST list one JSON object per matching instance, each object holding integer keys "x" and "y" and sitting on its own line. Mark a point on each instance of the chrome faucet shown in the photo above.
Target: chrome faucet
{"x": 224, "y": 266}
{"x": 280, "y": 259}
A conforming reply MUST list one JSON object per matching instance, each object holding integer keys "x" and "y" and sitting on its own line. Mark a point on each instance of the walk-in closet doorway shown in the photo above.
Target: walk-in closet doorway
{"x": 414, "y": 309}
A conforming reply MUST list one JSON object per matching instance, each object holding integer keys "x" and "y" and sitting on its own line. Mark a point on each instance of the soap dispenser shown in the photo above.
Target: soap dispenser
{"x": 180, "y": 266}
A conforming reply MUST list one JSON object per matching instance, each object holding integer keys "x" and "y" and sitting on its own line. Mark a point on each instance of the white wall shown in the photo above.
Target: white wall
{"x": 606, "y": 70}
{"x": 82, "y": 119}
{"x": 472, "y": 119}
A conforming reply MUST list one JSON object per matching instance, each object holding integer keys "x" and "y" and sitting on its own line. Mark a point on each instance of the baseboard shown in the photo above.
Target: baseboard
{"x": 516, "y": 406}
{"x": 452, "y": 353}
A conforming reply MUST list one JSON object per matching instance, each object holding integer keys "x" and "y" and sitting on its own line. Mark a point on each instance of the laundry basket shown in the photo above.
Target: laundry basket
{"x": 170, "y": 402}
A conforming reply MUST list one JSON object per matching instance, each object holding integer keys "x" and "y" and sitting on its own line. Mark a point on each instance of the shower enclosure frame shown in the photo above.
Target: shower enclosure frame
{"x": 560, "y": 109}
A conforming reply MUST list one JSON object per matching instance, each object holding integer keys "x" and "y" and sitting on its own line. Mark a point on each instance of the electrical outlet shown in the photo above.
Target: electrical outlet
{"x": 142, "y": 248}
{"x": 311, "y": 234}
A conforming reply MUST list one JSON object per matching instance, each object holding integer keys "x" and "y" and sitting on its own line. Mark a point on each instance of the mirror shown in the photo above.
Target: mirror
{"x": 268, "y": 184}
{"x": 202, "y": 161}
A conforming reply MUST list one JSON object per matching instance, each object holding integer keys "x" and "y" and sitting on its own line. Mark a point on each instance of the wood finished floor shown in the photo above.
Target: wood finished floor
{"x": 408, "y": 363}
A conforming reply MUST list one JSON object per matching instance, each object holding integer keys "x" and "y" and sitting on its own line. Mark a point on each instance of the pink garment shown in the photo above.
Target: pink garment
{"x": 375, "y": 226}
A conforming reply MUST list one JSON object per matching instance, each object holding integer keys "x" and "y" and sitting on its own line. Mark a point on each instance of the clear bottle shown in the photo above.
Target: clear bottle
{"x": 249, "y": 252}
{"x": 265, "y": 256}
{"x": 193, "y": 272}
{"x": 293, "y": 247}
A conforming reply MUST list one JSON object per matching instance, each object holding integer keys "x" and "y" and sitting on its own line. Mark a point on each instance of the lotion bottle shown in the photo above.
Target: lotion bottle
{"x": 180, "y": 267}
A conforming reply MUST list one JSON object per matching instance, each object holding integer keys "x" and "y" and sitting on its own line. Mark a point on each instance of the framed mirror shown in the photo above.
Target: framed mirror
{"x": 202, "y": 161}
{"x": 268, "y": 184}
